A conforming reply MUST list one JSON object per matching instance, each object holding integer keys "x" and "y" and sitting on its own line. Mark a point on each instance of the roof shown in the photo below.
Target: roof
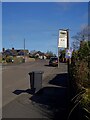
{"x": 14, "y": 52}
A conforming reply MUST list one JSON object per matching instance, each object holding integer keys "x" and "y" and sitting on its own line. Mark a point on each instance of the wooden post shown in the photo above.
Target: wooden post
{"x": 58, "y": 48}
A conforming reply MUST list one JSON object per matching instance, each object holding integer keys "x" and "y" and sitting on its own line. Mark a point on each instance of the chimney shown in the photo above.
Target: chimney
{"x": 3, "y": 50}
{"x": 13, "y": 48}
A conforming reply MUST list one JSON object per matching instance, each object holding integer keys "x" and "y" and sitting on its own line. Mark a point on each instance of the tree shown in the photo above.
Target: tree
{"x": 83, "y": 35}
{"x": 62, "y": 55}
{"x": 81, "y": 56}
{"x": 50, "y": 54}
{"x": 84, "y": 50}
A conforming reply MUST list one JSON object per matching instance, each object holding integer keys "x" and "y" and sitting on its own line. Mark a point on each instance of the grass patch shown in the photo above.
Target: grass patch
{"x": 85, "y": 102}
{"x": 88, "y": 93}
{"x": 31, "y": 59}
{"x": 0, "y": 60}
{"x": 18, "y": 59}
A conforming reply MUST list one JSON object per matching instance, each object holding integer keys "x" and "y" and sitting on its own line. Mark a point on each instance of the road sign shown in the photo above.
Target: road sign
{"x": 68, "y": 53}
{"x": 62, "y": 43}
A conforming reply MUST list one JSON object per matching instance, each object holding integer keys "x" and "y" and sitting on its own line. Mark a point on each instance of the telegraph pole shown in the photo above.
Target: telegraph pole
{"x": 24, "y": 48}
{"x": 58, "y": 48}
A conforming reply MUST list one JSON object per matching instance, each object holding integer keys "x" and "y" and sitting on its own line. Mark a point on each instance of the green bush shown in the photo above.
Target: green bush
{"x": 81, "y": 73}
{"x": 84, "y": 50}
{"x": 19, "y": 60}
{"x": 85, "y": 99}
{"x": 9, "y": 59}
{"x": 80, "y": 66}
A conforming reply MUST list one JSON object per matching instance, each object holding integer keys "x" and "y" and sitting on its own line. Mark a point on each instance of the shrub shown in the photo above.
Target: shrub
{"x": 85, "y": 98}
{"x": 19, "y": 60}
{"x": 9, "y": 59}
{"x": 81, "y": 72}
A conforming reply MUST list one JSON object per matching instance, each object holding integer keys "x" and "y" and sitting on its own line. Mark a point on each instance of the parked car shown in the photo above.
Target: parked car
{"x": 53, "y": 61}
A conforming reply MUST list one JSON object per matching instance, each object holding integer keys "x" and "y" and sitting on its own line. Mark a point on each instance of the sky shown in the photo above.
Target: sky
{"x": 38, "y": 23}
{"x": 0, "y": 26}
{"x": 45, "y": 0}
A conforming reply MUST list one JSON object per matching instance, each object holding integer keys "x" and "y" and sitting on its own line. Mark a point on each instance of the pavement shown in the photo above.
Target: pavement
{"x": 50, "y": 102}
{"x": 0, "y": 91}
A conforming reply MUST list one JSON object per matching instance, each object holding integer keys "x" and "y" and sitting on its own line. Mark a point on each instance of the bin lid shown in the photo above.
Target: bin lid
{"x": 38, "y": 71}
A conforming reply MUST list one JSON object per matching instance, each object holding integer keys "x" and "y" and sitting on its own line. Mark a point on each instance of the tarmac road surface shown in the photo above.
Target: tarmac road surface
{"x": 45, "y": 104}
{"x": 16, "y": 77}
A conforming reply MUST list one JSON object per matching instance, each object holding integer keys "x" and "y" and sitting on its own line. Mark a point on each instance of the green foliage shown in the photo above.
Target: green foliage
{"x": 50, "y": 54}
{"x": 75, "y": 56}
{"x": 84, "y": 50}
{"x": 85, "y": 99}
{"x": 63, "y": 53}
{"x": 82, "y": 61}
{"x": 1, "y": 60}
{"x": 19, "y": 60}
{"x": 9, "y": 59}
{"x": 80, "y": 69}
{"x": 81, "y": 73}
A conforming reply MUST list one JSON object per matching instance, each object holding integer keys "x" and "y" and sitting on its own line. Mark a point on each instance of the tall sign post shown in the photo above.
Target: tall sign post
{"x": 63, "y": 41}
{"x": 68, "y": 38}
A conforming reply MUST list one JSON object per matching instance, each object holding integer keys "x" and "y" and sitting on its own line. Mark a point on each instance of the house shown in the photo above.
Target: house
{"x": 7, "y": 52}
{"x": 40, "y": 55}
{"x": 15, "y": 52}
{"x": 37, "y": 54}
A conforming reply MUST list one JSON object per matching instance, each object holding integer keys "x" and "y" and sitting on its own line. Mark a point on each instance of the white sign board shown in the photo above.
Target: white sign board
{"x": 62, "y": 43}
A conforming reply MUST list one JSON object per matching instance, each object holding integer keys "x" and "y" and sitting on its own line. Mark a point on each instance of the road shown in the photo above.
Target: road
{"x": 0, "y": 90}
{"x": 51, "y": 100}
{"x": 15, "y": 77}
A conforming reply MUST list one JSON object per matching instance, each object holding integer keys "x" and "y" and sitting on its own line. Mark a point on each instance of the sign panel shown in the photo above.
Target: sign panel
{"x": 62, "y": 43}
{"x": 68, "y": 53}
